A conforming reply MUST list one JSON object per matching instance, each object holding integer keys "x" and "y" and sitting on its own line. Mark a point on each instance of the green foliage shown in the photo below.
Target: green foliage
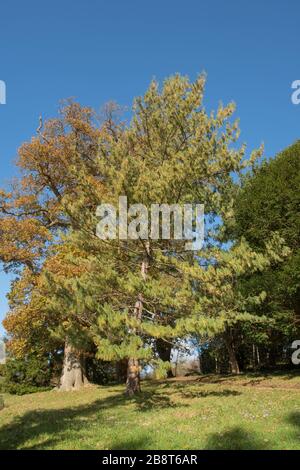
{"x": 100, "y": 372}
{"x": 120, "y": 296}
{"x": 268, "y": 202}
{"x": 173, "y": 152}
{"x": 28, "y": 375}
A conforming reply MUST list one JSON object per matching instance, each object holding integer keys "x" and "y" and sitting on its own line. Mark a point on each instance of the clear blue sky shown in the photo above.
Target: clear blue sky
{"x": 99, "y": 50}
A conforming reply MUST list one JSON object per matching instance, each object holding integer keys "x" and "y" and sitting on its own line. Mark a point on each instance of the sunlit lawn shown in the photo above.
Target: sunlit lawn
{"x": 210, "y": 412}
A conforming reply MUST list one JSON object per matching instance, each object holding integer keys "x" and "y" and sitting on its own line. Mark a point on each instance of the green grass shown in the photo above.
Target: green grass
{"x": 210, "y": 412}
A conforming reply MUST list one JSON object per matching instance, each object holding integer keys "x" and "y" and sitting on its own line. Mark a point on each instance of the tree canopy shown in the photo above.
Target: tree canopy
{"x": 120, "y": 296}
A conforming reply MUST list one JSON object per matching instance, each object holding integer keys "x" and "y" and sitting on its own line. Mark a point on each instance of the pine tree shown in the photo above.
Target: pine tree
{"x": 124, "y": 294}
{"x": 171, "y": 152}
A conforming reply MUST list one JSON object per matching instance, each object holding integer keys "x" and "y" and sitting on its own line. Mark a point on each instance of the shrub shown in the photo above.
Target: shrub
{"x": 2, "y": 370}
{"x": 23, "y": 389}
{"x": 28, "y": 375}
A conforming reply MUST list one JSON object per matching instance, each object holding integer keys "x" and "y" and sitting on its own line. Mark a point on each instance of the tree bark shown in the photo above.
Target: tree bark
{"x": 234, "y": 365}
{"x": 133, "y": 367}
{"x": 133, "y": 385}
{"x": 73, "y": 374}
{"x": 258, "y": 356}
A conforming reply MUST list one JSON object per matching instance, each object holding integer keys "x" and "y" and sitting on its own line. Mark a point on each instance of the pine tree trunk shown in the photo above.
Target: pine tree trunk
{"x": 73, "y": 374}
{"x": 233, "y": 360}
{"x": 234, "y": 365}
{"x": 258, "y": 356}
{"x": 133, "y": 385}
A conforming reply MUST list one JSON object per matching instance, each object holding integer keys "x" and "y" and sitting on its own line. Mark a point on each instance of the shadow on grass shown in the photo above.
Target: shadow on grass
{"x": 198, "y": 393}
{"x": 55, "y": 426}
{"x": 235, "y": 439}
{"x": 239, "y": 439}
{"x": 294, "y": 419}
{"x": 49, "y": 428}
{"x": 252, "y": 378}
{"x": 130, "y": 444}
{"x": 212, "y": 393}
{"x": 149, "y": 400}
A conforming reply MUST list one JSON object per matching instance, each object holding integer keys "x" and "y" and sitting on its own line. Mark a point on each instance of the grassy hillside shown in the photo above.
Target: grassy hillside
{"x": 210, "y": 412}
